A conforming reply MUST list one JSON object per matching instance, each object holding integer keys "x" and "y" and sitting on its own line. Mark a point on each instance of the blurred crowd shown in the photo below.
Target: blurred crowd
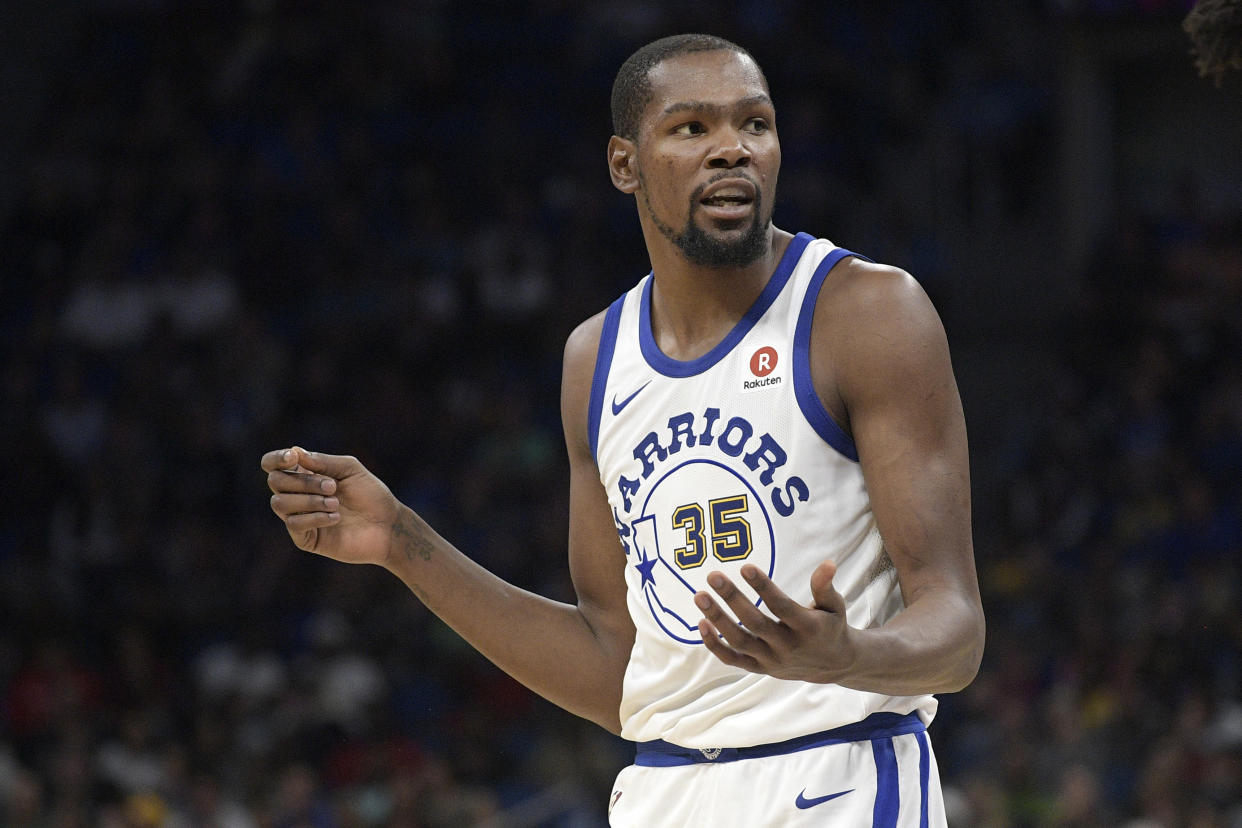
{"x": 368, "y": 229}
{"x": 1113, "y": 681}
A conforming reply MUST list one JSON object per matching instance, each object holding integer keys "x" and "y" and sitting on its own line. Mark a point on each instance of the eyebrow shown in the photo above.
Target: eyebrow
{"x": 716, "y": 109}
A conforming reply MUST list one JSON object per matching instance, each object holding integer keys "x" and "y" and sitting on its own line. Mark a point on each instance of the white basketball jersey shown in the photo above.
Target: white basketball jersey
{"x": 717, "y": 462}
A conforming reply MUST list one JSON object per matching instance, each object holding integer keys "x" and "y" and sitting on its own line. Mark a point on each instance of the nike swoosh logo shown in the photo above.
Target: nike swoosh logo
{"x": 618, "y": 406}
{"x": 803, "y": 803}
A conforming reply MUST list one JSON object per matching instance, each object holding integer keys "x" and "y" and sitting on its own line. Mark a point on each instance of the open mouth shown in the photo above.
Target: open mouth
{"x": 728, "y": 199}
{"x": 726, "y": 209}
{"x": 725, "y": 201}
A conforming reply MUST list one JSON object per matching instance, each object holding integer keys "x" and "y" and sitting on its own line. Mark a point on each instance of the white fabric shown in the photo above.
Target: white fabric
{"x": 753, "y": 793}
{"x": 671, "y": 489}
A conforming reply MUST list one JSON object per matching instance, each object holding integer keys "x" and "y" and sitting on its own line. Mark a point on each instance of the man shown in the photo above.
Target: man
{"x": 771, "y": 428}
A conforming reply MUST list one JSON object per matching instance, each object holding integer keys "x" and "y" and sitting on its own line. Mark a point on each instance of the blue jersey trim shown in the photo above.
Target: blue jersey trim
{"x": 670, "y": 367}
{"x": 882, "y": 726}
{"x": 804, "y": 389}
{"x": 924, "y": 777}
{"x": 603, "y": 362}
{"x": 887, "y": 785}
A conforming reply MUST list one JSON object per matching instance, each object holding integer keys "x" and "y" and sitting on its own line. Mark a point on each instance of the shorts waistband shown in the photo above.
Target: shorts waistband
{"x": 661, "y": 754}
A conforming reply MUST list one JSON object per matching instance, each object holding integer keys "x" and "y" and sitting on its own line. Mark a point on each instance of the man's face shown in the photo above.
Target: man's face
{"x": 708, "y": 157}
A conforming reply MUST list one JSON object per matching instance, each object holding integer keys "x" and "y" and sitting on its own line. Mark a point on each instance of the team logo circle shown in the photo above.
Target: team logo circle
{"x": 763, "y": 361}
{"x": 678, "y": 542}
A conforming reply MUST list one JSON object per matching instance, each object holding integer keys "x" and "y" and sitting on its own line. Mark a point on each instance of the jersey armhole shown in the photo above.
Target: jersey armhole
{"x": 809, "y": 403}
{"x": 603, "y": 362}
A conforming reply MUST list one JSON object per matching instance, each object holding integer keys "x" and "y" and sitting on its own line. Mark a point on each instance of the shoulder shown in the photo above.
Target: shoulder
{"x": 865, "y": 292}
{"x": 581, "y": 348}
{"x": 863, "y": 305}
{"x": 875, "y": 329}
{"x": 583, "y": 341}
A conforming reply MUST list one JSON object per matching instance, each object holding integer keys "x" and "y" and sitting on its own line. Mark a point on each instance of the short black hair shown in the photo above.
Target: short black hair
{"x": 631, "y": 90}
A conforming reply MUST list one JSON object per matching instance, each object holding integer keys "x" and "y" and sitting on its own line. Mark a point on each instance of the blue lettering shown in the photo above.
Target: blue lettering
{"x": 681, "y": 426}
{"x": 649, "y": 446}
{"x": 745, "y": 429}
{"x": 770, "y": 454}
{"x": 628, "y": 489}
{"x": 785, "y": 507}
{"x": 686, "y": 430}
{"x": 711, "y": 415}
{"x": 623, "y": 529}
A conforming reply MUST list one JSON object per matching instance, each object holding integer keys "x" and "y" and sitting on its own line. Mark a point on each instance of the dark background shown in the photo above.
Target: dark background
{"x": 368, "y": 228}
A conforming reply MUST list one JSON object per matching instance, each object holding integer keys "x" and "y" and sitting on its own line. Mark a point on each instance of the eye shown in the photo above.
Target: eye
{"x": 691, "y": 128}
{"x": 757, "y": 125}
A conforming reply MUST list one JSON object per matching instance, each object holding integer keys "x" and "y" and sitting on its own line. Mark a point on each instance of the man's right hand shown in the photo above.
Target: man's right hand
{"x": 331, "y": 504}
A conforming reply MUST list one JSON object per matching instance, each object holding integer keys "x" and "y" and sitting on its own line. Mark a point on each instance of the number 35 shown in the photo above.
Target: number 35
{"x": 729, "y": 531}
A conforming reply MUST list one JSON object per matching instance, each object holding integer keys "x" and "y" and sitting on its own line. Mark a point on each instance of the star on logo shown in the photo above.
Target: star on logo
{"x": 645, "y": 566}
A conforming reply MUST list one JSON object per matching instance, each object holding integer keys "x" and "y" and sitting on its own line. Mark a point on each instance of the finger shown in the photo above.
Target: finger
{"x": 717, "y": 647}
{"x": 332, "y": 465}
{"x": 300, "y": 524}
{"x": 281, "y": 482}
{"x": 743, "y": 606}
{"x": 737, "y": 635}
{"x": 285, "y": 505}
{"x": 823, "y": 592}
{"x": 280, "y": 459}
{"x": 782, "y": 606}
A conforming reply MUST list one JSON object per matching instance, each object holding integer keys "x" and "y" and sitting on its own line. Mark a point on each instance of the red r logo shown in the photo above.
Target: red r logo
{"x": 763, "y": 362}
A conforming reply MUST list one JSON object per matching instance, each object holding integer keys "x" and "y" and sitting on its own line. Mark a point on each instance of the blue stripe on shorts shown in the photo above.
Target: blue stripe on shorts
{"x": 887, "y": 784}
{"x": 924, "y": 776}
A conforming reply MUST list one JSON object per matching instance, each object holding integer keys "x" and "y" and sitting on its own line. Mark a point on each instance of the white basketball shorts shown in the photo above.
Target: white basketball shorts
{"x": 879, "y": 772}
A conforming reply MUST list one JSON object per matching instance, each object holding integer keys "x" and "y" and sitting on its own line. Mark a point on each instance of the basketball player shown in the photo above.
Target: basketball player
{"x": 769, "y": 495}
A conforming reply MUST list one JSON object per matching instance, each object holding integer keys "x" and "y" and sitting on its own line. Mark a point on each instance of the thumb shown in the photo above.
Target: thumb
{"x": 335, "y": 466}
{"x": 823, "y": 592}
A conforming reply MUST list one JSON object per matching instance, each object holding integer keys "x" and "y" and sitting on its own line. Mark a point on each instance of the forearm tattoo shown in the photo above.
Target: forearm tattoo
{"x": 412, "y": 542}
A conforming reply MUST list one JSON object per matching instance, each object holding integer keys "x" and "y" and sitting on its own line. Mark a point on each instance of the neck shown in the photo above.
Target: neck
{"x": 693, "y": 307}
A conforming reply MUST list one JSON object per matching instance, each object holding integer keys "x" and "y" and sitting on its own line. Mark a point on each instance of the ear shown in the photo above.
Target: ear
{"x": 622, "y": 160}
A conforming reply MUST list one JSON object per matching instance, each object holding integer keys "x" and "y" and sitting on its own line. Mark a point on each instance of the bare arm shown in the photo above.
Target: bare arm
{"x": 881, "y": 365}
{"x": 572, "y": 655}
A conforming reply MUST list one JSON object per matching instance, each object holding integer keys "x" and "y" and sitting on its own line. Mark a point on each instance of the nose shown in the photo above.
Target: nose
{"x": 731, "y": 151}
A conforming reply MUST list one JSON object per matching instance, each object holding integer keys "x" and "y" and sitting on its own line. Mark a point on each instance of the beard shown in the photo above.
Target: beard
{"x": 703, "y": 249}
{"x": 707, "y": 250}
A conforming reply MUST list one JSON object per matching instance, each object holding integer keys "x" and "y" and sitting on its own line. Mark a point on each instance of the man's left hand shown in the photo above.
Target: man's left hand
{"x": 803, "y": 643}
